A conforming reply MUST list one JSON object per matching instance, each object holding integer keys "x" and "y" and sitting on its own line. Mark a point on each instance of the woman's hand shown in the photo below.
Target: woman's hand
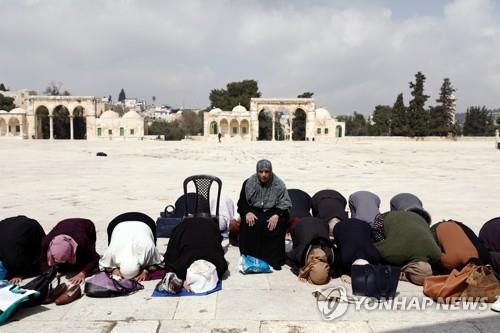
{"x": 78, "y": 278}
{"x": 186, "y": 286}
{"x": 345, "y": 278}
{"x": 251, "y": 218}
{"x": 142, "y": 277}
{"x": 16, "y": 280}
{"x": 272, "y": 222}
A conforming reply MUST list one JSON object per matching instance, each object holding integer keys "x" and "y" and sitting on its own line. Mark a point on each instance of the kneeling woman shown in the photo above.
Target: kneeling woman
{"x": 312, "y": 256}
{"x": 71, "y": 246}
{"x": 131, "y": 252}
{"x": 263, "y": 206}
{"x": 20, "y": 239}
{"x": 195, "y": 254}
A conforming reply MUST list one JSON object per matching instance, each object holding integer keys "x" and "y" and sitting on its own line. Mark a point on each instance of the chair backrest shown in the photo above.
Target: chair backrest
{"x": 301, "y": 203}
{"x": 202, "y": 184}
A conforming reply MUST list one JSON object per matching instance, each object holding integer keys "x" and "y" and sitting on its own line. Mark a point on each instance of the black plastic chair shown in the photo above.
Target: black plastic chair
{"x": 202, "y": 184}
{"x": 301, "y": 203}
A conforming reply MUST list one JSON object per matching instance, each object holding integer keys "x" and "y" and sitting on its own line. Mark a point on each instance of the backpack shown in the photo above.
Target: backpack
{"x": 42, "y": 284}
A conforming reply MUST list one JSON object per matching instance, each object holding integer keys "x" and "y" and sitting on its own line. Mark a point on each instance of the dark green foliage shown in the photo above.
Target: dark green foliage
{"x": 236, "y": 93}
{"x": 60, "y": 121}
{"x": 265, "y": 126}
{"x": 122, "y": 96}
{"x": 2, "y": 87}
{"x": 306, "y": 94}
{"x": 170, "y": 130}
{"x": 191, "y": 122}
{"x": 6, "y": 103}
{"x": 355, "y": 125}
{"x": 441, "y": 116}
{"x": 382, "y": 121}
{"x": 478, "y": 122}
{"x": 299, "y": 125}
{"x": 418, "y": 117}
{"x": 399, "y": 119}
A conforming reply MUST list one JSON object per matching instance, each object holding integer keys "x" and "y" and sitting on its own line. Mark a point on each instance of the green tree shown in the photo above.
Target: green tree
{"x": 265, "y": 126}
{"x": 355, "y": 125}
{"x": 299, "y": 125}
{"x": 122, "y": 96}
{"x": 154, "y": 99}
{"x": 2, "y": 87}
{"x": 382, "y": 121}
{"x": 236, "y": 93}
{"x": 441, "y": 117}
{"x": 478, "y": 122}
{"x": 306, "y": 94}
{"x": 418, "y": 118}
{"x": 191, "y": 122}
{"x": 172, "y": 131}
{"x": 399, "y": 119}
{"x": 6, "y": 103}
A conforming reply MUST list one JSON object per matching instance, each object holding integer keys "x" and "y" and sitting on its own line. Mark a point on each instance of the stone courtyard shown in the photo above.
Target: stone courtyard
{"x": 53, "y": 180}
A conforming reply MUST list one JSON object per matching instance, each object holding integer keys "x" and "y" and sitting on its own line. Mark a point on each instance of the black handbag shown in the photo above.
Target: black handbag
{"x": 377, "y": 281}
{"x": 42, "y": 284}
{"x": 167, "y": 221}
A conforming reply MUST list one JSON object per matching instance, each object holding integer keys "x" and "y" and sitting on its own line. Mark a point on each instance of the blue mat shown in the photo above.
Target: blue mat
{"x": 184, "y": 292}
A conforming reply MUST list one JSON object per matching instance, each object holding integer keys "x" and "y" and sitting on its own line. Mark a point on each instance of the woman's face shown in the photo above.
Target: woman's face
{"x": 263, "y": 176}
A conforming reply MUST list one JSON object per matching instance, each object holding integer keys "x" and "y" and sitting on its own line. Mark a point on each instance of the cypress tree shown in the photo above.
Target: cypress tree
{"x": 418, "y": 118}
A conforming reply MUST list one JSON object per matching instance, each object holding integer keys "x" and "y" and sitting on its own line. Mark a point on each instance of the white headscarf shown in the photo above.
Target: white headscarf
{"x": 202, "y": 276}
{"x": 227, "y": 211}
{"x": 131, "y": 248}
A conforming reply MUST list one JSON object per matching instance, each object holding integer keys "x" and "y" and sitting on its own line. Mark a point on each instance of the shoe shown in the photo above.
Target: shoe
{"x": 73, "y": 293}
{"x": 55, "y": 293}
{"x": 496, "y": 306}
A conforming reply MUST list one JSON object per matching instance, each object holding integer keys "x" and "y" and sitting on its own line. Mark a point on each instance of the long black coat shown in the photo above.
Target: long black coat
{"x": 309, "y": 231}
{"x": 195, "y": 239}
{"x": 20, "y": 246}
{"x": 353, "y": 241}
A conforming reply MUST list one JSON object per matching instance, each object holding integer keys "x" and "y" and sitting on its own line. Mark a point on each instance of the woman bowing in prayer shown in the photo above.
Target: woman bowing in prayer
{"x": 264, "y": 209}
{"x": 71, "y": 246}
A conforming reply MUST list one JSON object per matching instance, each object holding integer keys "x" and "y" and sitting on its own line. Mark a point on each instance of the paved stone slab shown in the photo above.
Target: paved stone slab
{"x": 314, "y": 327}
{"x": 140, "y": 326}
{"x": 57, "y": 326}
{"x": 210, "y": 326}
{"x": 423, "y": 327}
{"x": 196, "y": 307}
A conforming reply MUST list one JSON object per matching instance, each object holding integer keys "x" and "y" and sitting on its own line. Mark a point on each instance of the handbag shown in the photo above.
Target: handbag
{"x": 377, "y": 281}
{"x": 252, "y": 265}
{"x": 42, "y": 284}
{"x": 167, "y": 221}
{"x": 447, "y": 288}
{"x": 104, "y": 285}
{"x": 482, "y": 284}
{"x": 11, "y": 297}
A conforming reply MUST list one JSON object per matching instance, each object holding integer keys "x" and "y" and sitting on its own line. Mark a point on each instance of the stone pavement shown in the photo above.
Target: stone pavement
{"x": 275, "y": 302}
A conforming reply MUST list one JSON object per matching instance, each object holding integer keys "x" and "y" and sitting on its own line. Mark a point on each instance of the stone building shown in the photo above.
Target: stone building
{"x": 298, "y": 117}
{"x": 65, "y": 117}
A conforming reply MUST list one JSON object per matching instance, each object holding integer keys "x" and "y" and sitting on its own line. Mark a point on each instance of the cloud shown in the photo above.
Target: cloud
{"x": 352, "y": 56}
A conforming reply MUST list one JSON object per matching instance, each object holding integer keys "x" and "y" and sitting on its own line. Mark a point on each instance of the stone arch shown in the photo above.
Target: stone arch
{"x": 79, "y": 123}
{"x": 3, "y": 127}
{"x": 14, "y": 126}
{"x": 244, "y": 128}
{"x": 60, "y": 122}
{"x": 338, "y": 131}
{"x": 265, "y": 117}
{"x": 234, "y": 127}
{"x": 299, "y": 125}
{"x": 224, "y": 127}
{"x": 281, "y": 123}
{"x": 214, "y": 129}
{"x": 42, "y": 122}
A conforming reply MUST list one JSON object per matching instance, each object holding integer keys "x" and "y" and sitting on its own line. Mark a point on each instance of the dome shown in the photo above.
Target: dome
{"x": 18, "y": 110}
{"x": 215, "y": 111}
{"x": 239, "y": 109}
{"x": 132, "y": 115}
{"x": 109, "y": 115}
{"x": 322, "y": 114}
{"x": 3, "y": 111}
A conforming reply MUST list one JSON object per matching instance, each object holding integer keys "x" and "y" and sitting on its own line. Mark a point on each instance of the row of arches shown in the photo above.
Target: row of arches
{"x": 231, "y": 128}
{"x": 10, "y": 128}
{"x": 61, "y": 124}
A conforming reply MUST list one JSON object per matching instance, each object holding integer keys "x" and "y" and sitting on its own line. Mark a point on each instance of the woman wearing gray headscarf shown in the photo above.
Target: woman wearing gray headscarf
{"x": 264, "y": 209}
{"x": 364, "y": 206}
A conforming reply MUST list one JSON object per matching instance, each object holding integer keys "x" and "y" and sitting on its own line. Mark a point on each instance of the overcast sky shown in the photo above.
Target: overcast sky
{"x": 352, "y": 54}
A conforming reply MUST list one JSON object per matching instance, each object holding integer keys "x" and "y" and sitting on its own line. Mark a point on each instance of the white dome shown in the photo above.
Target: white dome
{"x": 132, "y": 115}
{"x": 322, "y": 114}
{"x": 215, "y": 111}
{"x": 109, "y": 115}
{"x": 239, "y": 109}
{"x": 18, "y": 110}
{"x": 3, "y": 111}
